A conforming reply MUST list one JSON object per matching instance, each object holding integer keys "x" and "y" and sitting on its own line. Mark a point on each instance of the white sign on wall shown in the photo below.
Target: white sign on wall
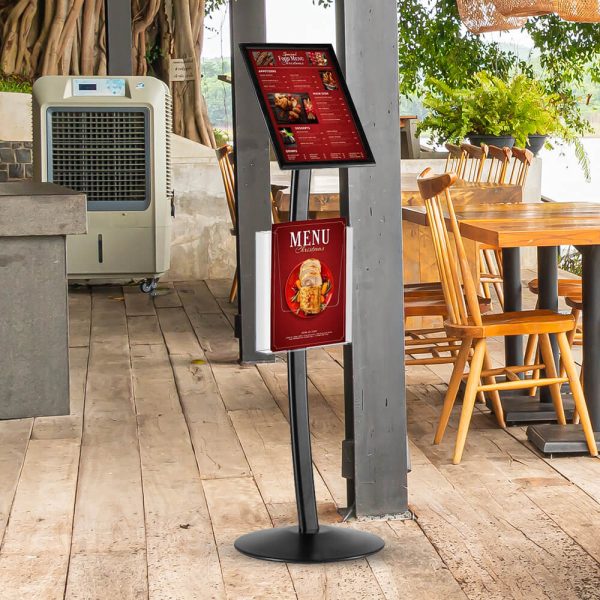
{"x": 182, "y": 69}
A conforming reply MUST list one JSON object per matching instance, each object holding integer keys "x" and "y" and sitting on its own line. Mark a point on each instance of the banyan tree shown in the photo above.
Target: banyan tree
{"x": 68, "y": 37}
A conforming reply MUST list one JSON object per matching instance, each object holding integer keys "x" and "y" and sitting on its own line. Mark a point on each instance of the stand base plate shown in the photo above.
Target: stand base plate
{"x": 329, "y": 544}
{"x": 559, "y": 439}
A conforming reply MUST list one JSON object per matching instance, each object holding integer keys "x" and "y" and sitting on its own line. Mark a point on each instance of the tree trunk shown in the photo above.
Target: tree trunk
{"x": 68, "y": 37}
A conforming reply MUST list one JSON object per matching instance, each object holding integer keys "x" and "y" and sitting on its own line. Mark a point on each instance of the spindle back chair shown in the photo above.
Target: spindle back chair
{"x": 465, "y": 321}
{"x": 475, "y": 157}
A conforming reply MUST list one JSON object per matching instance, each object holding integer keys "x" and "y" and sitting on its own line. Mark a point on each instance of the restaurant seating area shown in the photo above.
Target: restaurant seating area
{"x": 173, "y": 449}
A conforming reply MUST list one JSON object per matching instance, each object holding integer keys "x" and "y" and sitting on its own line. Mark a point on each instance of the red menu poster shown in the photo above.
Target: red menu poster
{"x": 305, "y": 100}
{"x": 308, "y": 284}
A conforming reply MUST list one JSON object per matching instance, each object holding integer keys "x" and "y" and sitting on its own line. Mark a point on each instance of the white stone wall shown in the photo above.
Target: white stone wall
{"x": 201, "y": 245}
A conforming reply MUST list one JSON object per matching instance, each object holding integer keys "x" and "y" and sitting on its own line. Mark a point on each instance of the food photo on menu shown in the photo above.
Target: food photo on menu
{"x": 329, "y": 80}
{"x": 309, "y": 288}
{"x": 317, "y": 58}
{"x": 287, "y": 135}
{"x": 264, "y": 58}
{"x": 293, "y": 108}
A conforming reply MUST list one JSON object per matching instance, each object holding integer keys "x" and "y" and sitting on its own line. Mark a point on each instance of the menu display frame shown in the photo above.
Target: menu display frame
{"x": 284, "y": 163}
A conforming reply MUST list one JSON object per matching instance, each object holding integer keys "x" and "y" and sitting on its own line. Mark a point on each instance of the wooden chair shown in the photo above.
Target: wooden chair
{"x": 499, "y": 163}
{"x": 455, "y": 162}
{"x": 225, "y": 159}
{"x": 571, "y": 290}
{"x": 490, "y": 258}
{"x": 466, "y": 322}
{"x": 522, "y": 159}
{"x": 500, "y": 172}
{"x": 475, "y": 157}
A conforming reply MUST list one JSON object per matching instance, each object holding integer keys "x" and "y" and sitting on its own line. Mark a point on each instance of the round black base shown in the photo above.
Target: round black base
{"x": 330, "y": 544}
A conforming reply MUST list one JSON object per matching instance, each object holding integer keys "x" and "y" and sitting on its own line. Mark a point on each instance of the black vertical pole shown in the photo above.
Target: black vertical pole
{"x": 511, "y": 268}
{"x": 118, "y": 37}
{"x": 548, "y": 297}
{"x": 308, "y": 521}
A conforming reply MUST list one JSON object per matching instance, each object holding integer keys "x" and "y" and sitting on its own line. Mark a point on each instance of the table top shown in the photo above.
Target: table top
{"x": 519, "y": 225}
{"x": 324, "y": 191}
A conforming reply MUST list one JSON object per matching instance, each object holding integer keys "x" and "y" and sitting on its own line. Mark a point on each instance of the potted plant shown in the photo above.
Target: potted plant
{"x": 501, "y": 113}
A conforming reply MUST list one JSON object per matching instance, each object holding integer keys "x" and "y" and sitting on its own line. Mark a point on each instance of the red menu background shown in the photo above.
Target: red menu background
{"x": 326, "y": 241}
{"x": 324, "y": 128}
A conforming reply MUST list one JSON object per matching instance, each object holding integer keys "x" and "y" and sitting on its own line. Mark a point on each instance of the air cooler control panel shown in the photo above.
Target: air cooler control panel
{"x": 99, "y": 87}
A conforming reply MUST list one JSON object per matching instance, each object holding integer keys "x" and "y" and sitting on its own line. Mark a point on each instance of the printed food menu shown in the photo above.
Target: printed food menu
{"x": 307, "y": 106}
{"x": 308, "y": 284}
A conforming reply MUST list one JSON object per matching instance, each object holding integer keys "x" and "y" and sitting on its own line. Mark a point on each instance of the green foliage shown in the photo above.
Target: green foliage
{"x": 433, "y": 43}
{"x": 14, "y": 83}
{"x": 221, "y": 137}
{"x": 217, "y": 93}
{"x": 488, "y": 105}
{"x": 571, "y": 261}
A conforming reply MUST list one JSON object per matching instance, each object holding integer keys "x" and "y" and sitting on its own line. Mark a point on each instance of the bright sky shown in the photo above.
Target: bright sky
{"x": 287, "y": 21}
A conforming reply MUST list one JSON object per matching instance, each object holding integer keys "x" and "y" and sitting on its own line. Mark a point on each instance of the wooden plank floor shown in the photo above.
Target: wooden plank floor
{"x": 173, "y": 450}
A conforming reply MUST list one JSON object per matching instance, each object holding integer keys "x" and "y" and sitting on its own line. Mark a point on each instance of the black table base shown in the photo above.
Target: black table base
{"x": 559, "y": 439}
{"x": 569, "y": 439}
{"x": 519, "y": 409}
{"x": 329, "y": 544}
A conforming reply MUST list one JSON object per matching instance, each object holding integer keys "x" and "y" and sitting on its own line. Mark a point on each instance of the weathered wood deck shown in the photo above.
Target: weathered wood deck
{"x": 173, "y": 450}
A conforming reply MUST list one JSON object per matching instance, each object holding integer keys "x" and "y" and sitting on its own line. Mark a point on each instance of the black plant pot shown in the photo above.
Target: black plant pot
{"x": 502, "y": 141}
{"x": 535, "y": 143}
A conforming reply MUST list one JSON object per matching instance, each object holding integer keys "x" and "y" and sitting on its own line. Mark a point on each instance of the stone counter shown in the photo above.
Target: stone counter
{"x": 34, "y": 359}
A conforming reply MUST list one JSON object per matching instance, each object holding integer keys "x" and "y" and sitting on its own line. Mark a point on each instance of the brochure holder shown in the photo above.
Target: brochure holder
{"x": 298, "y": 114}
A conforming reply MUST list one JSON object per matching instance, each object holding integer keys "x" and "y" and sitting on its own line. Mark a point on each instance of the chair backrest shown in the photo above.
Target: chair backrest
{"x": 499, "y": 162}
{"x": 225, "y": 158}
{"x": 522, "y": 159}
{"x": 458, "y": 286}
{"x": 474, "y": 162}
{"x": 455, "y": 162}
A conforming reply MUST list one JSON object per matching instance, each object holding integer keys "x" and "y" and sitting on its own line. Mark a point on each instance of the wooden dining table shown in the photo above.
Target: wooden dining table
{"x": 545, "y": 226}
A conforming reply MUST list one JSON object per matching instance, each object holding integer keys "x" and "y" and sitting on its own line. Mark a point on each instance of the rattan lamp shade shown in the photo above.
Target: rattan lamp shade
{"x": 481, "y": 16}
{"x": 581, "y": 11}
{"x": 525, "y": 8}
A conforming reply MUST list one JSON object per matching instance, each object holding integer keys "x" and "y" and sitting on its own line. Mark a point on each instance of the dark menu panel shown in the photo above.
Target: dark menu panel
{"x": 308, "y": 108}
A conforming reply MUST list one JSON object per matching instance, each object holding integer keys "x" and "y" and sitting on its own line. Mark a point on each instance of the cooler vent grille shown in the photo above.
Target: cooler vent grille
{"x": 100, "y": 152}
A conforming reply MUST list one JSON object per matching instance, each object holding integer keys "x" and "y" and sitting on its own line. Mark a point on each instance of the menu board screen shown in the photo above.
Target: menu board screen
{"x": 306, "y": 103}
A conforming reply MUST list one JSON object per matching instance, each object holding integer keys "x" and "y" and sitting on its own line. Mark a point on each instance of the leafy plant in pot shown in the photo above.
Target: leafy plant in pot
{"x": 496, "y": 112}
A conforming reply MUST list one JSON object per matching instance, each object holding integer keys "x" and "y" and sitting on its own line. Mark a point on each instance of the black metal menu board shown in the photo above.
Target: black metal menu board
{"x": 307, "y": 106}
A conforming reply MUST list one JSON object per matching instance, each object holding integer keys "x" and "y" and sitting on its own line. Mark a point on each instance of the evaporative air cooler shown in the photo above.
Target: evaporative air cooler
{"x": 110, "y": 138}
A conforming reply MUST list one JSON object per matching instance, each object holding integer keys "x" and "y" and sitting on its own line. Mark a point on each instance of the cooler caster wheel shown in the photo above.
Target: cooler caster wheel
{"x": 148, "y": 285}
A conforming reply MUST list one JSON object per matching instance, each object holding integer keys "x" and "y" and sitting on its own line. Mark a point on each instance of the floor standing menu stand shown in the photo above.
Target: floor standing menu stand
{"x": 308, "y": 542}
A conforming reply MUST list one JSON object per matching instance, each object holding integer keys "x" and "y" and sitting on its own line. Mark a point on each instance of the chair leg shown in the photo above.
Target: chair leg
{"x": 234, "y": 286}
{"x": 571, "y": 337}
{"x": 548, "y": 359}
{"x": 469, "y": 399}
{"x": 494, "y": 395}
{"x": 455, "y": 379}
{"x": 577, "y": 391}
{"x": 531, "y": 352}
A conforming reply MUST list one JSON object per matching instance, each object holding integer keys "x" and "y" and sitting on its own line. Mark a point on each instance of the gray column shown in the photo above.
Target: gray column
{"x": 367, "y": 43}
{"x": 118, "y": 37}
{"x": 252, "y": 176}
